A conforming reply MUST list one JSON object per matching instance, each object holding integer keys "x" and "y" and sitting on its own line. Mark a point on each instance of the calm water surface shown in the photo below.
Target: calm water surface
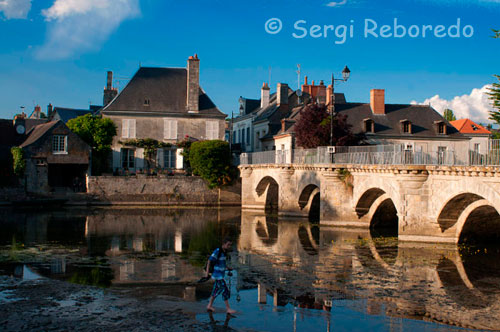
{"x": 290, "y": 275}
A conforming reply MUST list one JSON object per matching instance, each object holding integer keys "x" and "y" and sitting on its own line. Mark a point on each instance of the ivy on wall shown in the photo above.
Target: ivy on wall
{"x": 18, "y": 161}
{"x": 150, "y": 147}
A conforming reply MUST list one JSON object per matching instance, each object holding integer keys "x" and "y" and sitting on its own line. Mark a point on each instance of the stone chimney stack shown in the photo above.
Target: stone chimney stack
{"x": 377, "y": 101}
{"x": 109, "y": 92}
{"x": 265, "y": 93}
{"x": 50, "y": 110}
{"x": 282, "y": 94}
{"x": 193, "y": 84}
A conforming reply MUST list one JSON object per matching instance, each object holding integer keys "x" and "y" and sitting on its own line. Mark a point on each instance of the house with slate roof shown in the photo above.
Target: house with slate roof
{"x": 55, "y": 158}
{"x": 479, "y": 136}
{"x": 255, "y": 128}
{"x": 165, "y": 104}
{"x": 414, "y": 127}
{"x": 65, "y": 114}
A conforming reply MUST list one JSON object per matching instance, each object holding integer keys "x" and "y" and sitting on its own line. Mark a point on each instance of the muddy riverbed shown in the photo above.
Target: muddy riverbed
{"x": 137, "y": 269}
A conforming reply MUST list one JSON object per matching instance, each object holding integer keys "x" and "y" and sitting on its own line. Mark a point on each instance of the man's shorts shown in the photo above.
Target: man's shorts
{"x": 221, "y": 287}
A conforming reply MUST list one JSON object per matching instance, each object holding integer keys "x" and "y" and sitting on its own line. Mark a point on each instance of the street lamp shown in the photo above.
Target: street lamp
{"x": 345, "y": 76}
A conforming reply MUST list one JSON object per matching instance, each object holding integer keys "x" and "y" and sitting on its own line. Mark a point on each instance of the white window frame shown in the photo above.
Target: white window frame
{"x": 130, "y": 162}
{"x": 170, "y": 158}
{"x": 128, "y": 128}
{"x": 169, "y": 129}
{"x": 56, "y": 146}
{"x": 212, "y": 130}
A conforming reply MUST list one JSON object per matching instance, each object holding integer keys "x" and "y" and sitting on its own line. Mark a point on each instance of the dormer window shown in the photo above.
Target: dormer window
{"x": 369, "y": 126}
{"x": 440, "y": 127}
{"x": 405, "y": 126}
{"x": 147, "y": 102}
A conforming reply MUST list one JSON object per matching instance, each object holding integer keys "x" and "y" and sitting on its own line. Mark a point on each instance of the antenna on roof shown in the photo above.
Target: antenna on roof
{"x": 269, "y": 75}
{"x": 140, "y": 64}
{"x": 298, "y": 76}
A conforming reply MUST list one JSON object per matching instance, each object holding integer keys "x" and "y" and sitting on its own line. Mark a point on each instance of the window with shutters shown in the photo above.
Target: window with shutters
{"x": 128, "y": 158}
{"x": 128, "y": 128}
{"x": 212, "y": 130}
{"x": 169, "y": 158}
{"x": 59, "y": 144}
{"x": 169, "y": 129}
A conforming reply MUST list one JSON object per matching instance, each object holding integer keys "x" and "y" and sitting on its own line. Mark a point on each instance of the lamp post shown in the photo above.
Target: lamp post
{"x": 345, "y": 76}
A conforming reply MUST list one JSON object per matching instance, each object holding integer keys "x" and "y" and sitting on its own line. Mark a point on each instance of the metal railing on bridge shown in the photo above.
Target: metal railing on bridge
{"x": 373, "y": 155}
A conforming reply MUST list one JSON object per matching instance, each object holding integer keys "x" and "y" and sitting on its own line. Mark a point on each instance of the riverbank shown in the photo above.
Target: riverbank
{"x": 52, "y": 305}
{"x": 132, "y": 191}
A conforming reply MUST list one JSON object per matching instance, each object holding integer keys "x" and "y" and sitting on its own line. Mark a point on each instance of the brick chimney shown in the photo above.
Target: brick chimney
{"x": 193, "y": 84}
{"x": 36, "y": 113}
{"x": 109, "y": 92}
{"x": 321, "y": 94}
{"x": 264, "y": 95}
{"x": 377, "y": 101}
{"x": 282, "y": 94}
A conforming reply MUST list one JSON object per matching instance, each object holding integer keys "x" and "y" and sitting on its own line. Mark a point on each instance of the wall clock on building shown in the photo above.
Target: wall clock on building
{"x": 20, "y": 129}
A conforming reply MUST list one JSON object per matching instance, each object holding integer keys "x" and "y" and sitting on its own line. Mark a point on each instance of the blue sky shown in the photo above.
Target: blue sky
{"x": 59, "y": 51}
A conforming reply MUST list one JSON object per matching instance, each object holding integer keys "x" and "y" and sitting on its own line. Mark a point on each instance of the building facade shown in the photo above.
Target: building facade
{"x": 164, "y": 104}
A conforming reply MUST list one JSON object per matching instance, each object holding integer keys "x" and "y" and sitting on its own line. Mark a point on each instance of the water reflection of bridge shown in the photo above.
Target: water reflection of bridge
{"x": 295, "y": 262}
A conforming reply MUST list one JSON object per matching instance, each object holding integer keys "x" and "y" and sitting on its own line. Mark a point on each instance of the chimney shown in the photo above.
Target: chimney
{"x": 321, "y": 97}
{"x": 264, "y": 95}
{"x": 282, "y": 94}
{"x": 36, "y": 113}
{"x": 377, "y": 101}
{"x": 50, "y": 109}
{"x": 109, "y": 92}
{"x": 193, "y": 84}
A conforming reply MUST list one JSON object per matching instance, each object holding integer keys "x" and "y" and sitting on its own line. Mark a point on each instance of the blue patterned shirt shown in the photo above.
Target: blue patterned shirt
{"x": 220, "y": 264}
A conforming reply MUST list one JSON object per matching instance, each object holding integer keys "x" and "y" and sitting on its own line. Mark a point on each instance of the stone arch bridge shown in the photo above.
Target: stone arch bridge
{"x": 443, "y": 204}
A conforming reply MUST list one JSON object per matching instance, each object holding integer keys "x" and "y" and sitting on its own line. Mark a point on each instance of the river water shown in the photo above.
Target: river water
{"x": 289, "y": 275}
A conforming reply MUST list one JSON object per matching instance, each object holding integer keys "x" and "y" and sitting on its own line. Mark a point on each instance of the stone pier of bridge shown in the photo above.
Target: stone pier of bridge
{"x": 429, "y": 203}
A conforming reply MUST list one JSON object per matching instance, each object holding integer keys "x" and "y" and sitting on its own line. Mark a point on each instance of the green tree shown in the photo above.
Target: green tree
{"x": 98, "y": 133}
{"x": 449, "y": 115}
{"x": 494, "y": 91}
{"x": 212, "y": 161}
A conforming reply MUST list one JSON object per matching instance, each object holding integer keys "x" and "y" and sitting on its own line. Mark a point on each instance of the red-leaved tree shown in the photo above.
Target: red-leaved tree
{"x": 313, "y": 128}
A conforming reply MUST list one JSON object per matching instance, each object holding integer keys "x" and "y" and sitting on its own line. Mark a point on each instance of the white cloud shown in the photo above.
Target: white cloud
{"x": 76, "y": 26}
{"x": 336, "y": 3}
{"x": 474, "y": 106}
{"x": 15, "y": 8}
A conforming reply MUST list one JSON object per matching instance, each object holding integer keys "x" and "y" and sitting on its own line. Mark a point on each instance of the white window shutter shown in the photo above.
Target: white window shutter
{"x": 166, "y": 128}
{"x": 125, "y": 128}
{"x": 174, "y": 129}
{"x": 132, "y": 128}
{"x": 215, "y": 133}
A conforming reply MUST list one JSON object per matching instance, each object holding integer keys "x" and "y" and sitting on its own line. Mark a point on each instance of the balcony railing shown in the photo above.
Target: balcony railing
{"x": 372, "y": 155}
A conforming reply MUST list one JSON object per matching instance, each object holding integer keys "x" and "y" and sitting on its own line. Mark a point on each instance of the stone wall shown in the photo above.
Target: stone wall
{"x": 161, "y": 190}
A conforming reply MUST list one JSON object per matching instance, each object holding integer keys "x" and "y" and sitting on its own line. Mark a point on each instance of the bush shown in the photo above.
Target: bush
{"x": 212, "y": 161}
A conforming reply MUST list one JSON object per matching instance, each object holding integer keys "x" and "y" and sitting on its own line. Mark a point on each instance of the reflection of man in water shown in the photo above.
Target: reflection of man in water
{"x": 218, "y": 260}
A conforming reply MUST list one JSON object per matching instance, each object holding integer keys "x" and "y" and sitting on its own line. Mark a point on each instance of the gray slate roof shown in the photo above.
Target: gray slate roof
{"x": 38, "y": 132}
{"x": 166, "y": 89}
{"x": 422, "y": 118}
{"x": 66, "y": 114}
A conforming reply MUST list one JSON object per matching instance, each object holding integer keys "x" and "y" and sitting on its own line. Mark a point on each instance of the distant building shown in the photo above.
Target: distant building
{"x": 165, "y": 104}
{"x": 479, "y": 136}
{"x": 55, "y": 158}
{"x": 65, "y": 114}
{"x": 418, "y": 128}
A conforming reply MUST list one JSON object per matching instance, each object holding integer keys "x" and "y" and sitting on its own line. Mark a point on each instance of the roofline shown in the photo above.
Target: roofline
{"x": 164, "y": 114}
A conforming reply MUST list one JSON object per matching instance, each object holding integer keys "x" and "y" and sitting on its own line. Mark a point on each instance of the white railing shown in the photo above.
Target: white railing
{"x": 372, "y": 155}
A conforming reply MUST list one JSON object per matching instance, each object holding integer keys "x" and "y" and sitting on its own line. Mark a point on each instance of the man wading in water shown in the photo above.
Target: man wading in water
{"x": 218, "y": 261}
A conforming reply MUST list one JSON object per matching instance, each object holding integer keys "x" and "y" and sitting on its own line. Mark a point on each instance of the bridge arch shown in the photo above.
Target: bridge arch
{"x": 269, "y": 187}
{"x": 366, "y": 201}
{"x": 479, "y": 220}
{"x": 310, "y": 201}
{"x": 378, "y": 208}
{"x": 454, "y": 207}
